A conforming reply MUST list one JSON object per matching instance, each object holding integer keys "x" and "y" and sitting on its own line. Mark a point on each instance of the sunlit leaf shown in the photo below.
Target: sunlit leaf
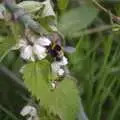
{"x": 48, "y": 17}
{"x": 31, "y": 6}
{"x": 48, "y": 10}
{"x": 63, "y": 101}
{"x": 43, "y": 12}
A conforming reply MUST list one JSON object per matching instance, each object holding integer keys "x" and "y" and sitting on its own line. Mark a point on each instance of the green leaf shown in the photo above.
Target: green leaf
{"x": 77, "y": 19}
{"x": 4, "y": 28}
{"x": 48, "y": 10}
{"x": 42, "y": 12}
{"x": 63, "y": 4}
{"x": 5, "y": 46}
{"x": 63, "y": 101}
{"x": 9, "y": 38}
{"x": 47, "y": 18}
{"x": 66, "y": 100}
{"x": 36, "y": 77}
{"x": 31, "y": 6}
{"x": 10, "y": 59}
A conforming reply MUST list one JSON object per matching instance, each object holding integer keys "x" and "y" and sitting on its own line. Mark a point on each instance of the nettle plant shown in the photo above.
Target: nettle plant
{"x": 29, "y": 28}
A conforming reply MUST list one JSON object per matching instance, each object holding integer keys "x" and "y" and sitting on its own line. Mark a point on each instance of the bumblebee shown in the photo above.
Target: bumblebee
{"x": 55, "y": 49}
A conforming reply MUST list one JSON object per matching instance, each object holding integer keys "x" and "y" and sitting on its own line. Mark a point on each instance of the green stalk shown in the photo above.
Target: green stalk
{"x": 8, "y": 113}
{"x": 20, "y": 15}
{"x": 115, "y": 110}
{"x": 102, "y": 74}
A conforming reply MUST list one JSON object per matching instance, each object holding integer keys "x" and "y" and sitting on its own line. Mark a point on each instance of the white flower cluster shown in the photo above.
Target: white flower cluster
{"x": 29, "y": 111}
{"x": 58, "y": 69}
{"x": 58, "y": 66}
{"x": 36, "y": 48}
{"x": 33, "y": 48}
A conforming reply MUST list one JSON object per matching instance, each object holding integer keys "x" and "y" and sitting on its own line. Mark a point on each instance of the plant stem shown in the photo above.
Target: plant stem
{"x": 95, "y": 30}
{"x": 8, "y": 113}
{"x": 20, "y": 15}
{"x": 100, "y": 6}
{"x": 112, "y": 16}
{"x": 11, "y": 75}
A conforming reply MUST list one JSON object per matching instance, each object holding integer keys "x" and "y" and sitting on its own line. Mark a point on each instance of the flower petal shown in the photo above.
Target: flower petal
{"x": 61, "y": 72}
{"x": 53, "y": 85}
{"x": 28, "y": 110}
{"x": 39, "y": 51}
{"x": 55, "y": 67}
{"x": 64, "y": 61}
{"x": 26, "y": 53}
{"x": 43, "y": 41}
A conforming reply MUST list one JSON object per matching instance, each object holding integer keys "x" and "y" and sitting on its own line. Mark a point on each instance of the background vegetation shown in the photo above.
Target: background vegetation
{"x": 94, "y": 32}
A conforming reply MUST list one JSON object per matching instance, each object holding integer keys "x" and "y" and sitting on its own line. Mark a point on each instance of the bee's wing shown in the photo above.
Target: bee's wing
{"x": 69, "y": 49}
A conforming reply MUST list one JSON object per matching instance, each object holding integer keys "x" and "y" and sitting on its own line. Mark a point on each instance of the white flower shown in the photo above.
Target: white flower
{"x": 61, "y": 72}
{"x": 39, "y": 51}
{"x": 43, "y": 41}
{"x": 27, "y": 53}
{"x": 33, "y": 48}
{"x": 57, "y": 66}
{"x": 64, "y": 61}
{"x": 53, "y": 84}
{"x": 28, "y": 110}
{"x": 31, "y": 111}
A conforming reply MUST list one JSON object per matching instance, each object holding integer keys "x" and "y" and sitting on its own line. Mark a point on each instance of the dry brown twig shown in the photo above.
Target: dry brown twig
{"x": 112, "y": 16}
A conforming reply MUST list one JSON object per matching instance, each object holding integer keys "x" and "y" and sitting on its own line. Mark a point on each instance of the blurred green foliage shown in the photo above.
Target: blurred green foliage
{"x": 95, "y": 63}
